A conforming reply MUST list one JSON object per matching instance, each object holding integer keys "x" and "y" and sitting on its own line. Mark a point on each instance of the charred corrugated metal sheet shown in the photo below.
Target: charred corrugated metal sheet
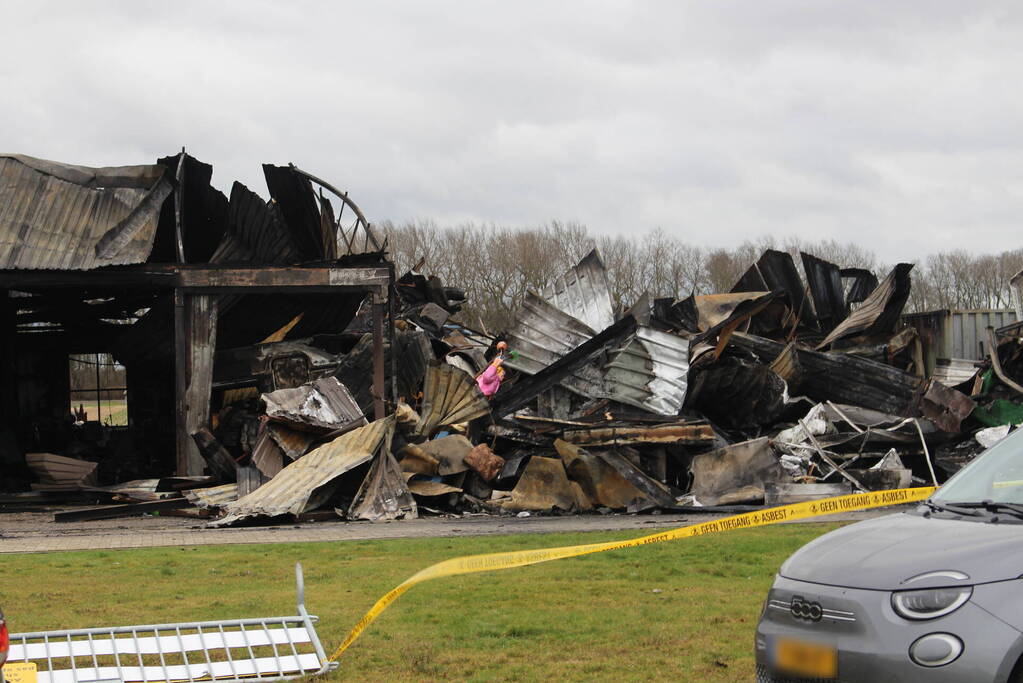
{"x": 450, "y": 396}
{"x": 650, "y": 371}
{"x": 384, "y": 493}
{"x": 542, "y": 335}
{"x": 294, "y": 194}
{"x": 881, "y": 310}
{"x": 583, "y": 293}
{"x": 776, "y": 271}
{"x": 825, "y": 281}
{"x": 324, "y": 405}
{"x": 860, "y": 283}
{"x": 267, "y": 456}
{"x": 292, "y": 442}
{"x": 255, "y": 232}
{"x": 953, "y": 372}
{"x": 213, "y": 496}
{"x": 307, "y": 483}
{"x": 511, "y": 398}
{"x": 737, "y": 393}
{"x": 845, "y": 378}
{"x": 204, "y": 211}
{"x": 62, "y": 217}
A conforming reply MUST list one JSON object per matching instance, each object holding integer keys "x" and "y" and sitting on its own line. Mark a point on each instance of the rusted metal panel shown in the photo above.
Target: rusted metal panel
{"x": 583, "y": 293}
{"x": 735, "y": 468}
{"x": 62, "y": 217}
{"x": 649, "y": 372}
{"x": 786, "y": 365}
{"x": 450, "y": 396}
{"x": 945, "y": 407}
{"x": 655, "y": 493}
{"x": 309, "y": 482}
{"x": 194, "y": 218}
{"x": 449, "y": 452}
{"x": 600, "y": 482}
{"x": 429, "y": 488}
{"x": 542, "y": 486}
{"x": 383, "y": 493}
{"x": 484, "y": 462}
{"x": 689, "y": 434}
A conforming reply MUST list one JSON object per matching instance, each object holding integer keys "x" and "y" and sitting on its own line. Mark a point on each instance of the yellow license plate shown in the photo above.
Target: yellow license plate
{"x": 802, "y": 658}
{"x": 20, "y": 672}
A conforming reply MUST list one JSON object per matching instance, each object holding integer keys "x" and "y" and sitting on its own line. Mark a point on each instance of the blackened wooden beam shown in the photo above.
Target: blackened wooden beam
{"x": 379, "y": 411}
{"x": 845, "y": 379}
{"x": 249, "y": 280}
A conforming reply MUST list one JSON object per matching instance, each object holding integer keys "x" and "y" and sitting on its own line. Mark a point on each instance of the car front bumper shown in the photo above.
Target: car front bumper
{"x": 873, "y": 641}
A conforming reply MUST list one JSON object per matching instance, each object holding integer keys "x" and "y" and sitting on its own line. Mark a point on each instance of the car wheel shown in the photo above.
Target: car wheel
{"x": 1017, "y": 672}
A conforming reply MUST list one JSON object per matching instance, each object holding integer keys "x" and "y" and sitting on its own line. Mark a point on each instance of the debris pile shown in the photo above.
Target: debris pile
{"x": 364, "y": 402}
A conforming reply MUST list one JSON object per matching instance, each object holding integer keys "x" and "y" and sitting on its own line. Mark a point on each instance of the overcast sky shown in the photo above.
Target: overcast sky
{"x": 893, "y": 124}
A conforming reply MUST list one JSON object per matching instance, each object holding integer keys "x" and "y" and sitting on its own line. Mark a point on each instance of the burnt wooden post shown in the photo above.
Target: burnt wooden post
{"x": 195, "y": 324}
{"x": 8, "y": 330}
{"x": 195, "y": 339}
{"x": 379, "y": 313}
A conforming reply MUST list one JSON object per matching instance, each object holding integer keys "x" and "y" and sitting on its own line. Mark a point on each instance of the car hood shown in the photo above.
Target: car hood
{"x": 882, "y": 553}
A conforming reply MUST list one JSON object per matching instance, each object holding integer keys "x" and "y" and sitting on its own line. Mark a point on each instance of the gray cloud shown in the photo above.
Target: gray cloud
{"x": 890, "y": 124}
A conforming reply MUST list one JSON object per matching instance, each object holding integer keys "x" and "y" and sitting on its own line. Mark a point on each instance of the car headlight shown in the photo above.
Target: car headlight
{"x": 930, "y": 603}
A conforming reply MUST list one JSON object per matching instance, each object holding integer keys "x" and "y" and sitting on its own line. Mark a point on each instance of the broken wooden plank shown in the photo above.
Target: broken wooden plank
{"x": 687, "y": 434}
{"x": 126, "y": 510}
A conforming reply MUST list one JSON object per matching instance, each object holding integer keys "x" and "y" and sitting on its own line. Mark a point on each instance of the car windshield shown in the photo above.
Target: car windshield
{"x": 995, "y": 475}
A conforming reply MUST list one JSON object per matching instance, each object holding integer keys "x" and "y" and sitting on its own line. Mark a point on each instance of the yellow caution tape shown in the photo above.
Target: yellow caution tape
{"x": 520, "y": 558}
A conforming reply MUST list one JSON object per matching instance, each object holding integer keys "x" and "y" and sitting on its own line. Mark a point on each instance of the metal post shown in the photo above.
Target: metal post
{"x": 179, "y": 193}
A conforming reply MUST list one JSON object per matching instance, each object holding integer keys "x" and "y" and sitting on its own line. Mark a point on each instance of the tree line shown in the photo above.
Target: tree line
{"x": 497, "y": 265}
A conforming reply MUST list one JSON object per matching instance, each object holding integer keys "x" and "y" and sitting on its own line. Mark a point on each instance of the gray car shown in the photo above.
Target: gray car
{"x": 933, "y": 594}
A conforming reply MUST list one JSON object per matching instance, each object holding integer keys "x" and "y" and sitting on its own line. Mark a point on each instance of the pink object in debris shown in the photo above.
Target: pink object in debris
{"x": 489, "y": 381}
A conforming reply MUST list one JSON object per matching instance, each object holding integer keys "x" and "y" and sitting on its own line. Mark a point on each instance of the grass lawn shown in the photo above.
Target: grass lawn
{"x": 681, "y": 611}
{"x": 111, "y": 412}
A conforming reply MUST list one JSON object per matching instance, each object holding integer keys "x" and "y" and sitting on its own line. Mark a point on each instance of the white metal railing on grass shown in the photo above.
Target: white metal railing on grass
{"x": 267, "y": 649}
